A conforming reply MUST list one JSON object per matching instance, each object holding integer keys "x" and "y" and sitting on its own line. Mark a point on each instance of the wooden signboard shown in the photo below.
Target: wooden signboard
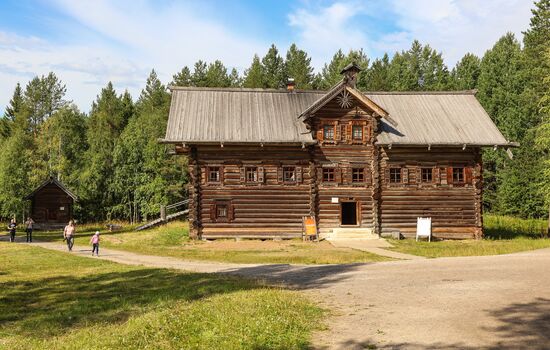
{"x": 309, "y": 227}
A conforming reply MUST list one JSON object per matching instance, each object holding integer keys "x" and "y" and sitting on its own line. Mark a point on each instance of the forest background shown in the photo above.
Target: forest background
{"x": 112, "y": 159}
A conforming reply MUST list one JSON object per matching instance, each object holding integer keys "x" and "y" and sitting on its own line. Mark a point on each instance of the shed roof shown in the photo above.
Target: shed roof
{"x": 218, "y": 115}
{"x": 54, "y": 181}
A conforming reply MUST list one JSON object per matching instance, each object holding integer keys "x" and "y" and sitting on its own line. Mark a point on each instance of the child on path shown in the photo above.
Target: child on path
{"x": 95, "y": 243}
{"x": 11, "y": 228}
{"x": 68, "y": 234}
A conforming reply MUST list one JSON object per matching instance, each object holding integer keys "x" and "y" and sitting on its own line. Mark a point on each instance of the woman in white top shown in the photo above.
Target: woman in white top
{"x": 68, "y": 235}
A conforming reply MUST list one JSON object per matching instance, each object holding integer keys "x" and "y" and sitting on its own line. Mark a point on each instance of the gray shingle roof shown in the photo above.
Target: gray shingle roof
{"x": 215, "y": 115}
{"x": 238, "y": 115}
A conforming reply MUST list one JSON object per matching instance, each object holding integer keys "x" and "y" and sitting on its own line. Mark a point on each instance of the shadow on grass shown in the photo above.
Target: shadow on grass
{"x": 519, "y": 326}
{"x": 51, "y": 306}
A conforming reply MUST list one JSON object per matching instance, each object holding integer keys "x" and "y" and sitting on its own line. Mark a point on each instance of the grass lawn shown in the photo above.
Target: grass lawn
{"x": 503, "y": 235}
{"x": 173, "y": 240}
{"x": 52, "y": 300}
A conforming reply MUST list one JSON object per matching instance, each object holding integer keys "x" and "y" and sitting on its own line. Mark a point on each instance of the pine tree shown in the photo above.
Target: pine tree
{"x": 15, "y": 105}
{"x": 377, "y": 76}
{"x": 330, "y": 74}
{"x": 254, "y": 77}
{"x": 216, "y": 75}
{"x": 537, "y": 43}
{"x": 420, "y": 68}
{"x": 465, "y": 74}
{"x": 542, "y": 137}
{"x": 298, "y": 67}
{"x": 234, "y": 79}
{"x": 182, "y": 78}
{"x": 43, "y": 96}
{"x": 199, "y": 74}
{"x": 273, "y": 69}
{"x": 105, "y": 124}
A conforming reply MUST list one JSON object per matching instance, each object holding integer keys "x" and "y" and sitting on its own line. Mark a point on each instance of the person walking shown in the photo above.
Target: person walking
{"x": 11, "y": 228}
{"x": 95, "y": 243}
{"x": 68, "y": 235}
{"x": 28, "y": 229}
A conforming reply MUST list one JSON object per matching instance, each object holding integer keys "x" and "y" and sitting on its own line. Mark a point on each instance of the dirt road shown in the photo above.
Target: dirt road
{"x": 495, "y": 302}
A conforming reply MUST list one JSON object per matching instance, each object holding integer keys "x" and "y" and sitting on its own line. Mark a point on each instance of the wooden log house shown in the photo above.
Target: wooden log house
{"x": 51, "y": 204}
{"x": 261, "y": 159}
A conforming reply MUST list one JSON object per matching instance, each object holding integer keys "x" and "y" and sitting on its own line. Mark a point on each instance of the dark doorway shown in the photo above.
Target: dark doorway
{"x": 348, "y": 213}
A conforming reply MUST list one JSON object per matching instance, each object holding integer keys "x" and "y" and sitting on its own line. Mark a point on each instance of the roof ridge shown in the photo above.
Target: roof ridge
{"x": 236, "y": 89}
{"x": 440, "y": 92}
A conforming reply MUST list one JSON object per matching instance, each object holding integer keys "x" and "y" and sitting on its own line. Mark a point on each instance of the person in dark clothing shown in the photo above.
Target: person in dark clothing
{"x": 29, "y": 226}
{"x": 11, "y": 228}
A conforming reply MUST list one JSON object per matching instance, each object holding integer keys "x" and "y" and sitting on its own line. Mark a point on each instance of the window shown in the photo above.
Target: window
{"x": 427, "y": 175}
{"x": 358, "y": 175}
{"x": 357, "y": 132}
{"x": 251, "y": 174}
{"x": 214, "y": 174}
{"x": 289, "y": 174}
{"x": 221, "y": 211}
{"x": 328, "y": 132}
{"x": 458, "y": 175}
{"x": 395, "y": 175}
{"x": 328, "y": 175}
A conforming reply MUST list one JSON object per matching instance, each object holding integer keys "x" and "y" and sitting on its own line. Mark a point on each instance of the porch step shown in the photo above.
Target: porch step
{"x": 351, "y": 233}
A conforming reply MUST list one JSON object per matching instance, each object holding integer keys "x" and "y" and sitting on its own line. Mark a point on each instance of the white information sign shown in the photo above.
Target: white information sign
{"x": 424, "y": 228}
{"x": 334, "y": 200}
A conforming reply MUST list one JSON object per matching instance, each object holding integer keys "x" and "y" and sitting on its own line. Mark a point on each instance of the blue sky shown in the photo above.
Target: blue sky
{"x": 88, "y": 43}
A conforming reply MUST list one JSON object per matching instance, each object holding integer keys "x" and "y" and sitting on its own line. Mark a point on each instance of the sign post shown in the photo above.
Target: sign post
{"x": 309, "y": 228}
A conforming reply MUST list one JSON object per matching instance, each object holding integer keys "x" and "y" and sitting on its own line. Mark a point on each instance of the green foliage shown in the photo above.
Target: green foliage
{"x": 465, "y": 74}
{"x": 182, "y": 78}
{"x": 199, "y": 74}
{"x": 79, "y": 303}
{"x": 420, "y": 68}
{"x": 298, "y": 67}
{"x": 377, "y": 78}
{"x": 330, "y": 74}
{"x": 15, "y": 105}
{"x": 254, "y": 77}
{"x": 273, "y": 69}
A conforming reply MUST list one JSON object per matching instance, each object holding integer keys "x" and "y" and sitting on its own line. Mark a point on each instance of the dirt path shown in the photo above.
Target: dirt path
{"x": 494, "y": 302}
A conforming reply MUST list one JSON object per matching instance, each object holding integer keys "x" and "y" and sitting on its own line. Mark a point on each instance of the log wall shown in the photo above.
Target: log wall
{"x": 455, "y": 208}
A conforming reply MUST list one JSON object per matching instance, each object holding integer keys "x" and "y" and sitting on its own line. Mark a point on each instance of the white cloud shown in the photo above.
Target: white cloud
{"x": 322, "y": 31}
{"x": 132, "y": 37}
{"x": 454, "y": 27}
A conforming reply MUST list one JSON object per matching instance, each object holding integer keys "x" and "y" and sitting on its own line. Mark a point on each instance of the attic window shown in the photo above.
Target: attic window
{"x": 328, "y": 132}
{"x": 328, "y": 175}
{"x": 251, "y": 174}
{"x": 358, "y": 175}
{"x": 357, "y": 132}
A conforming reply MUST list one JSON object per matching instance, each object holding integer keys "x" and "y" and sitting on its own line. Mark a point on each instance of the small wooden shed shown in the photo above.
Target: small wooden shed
{"x": 51, "y": 203}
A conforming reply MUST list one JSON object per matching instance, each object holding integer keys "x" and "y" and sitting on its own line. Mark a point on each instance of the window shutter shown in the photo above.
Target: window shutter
{"x": 299, "y": 174}
{"x": 338, "y": 175}
{"x": 280, "y": 174}
{"x": 243, "y": 177}
{"x": 230, "y": 212}
{"x": 437, "y": 176}
{"x": 365, "y": 133}
{"x": 337, "y": 132}
{"x": 405, "y": 174}
{"x": 419, "y": 175}
{"x": 213, "y": 212}
{"x": 261, "y": 174}
{"x": 320, "y": 132}
{"x": 387, "y": 174}
{"x": 349, "y": 132}
{"x": 449, "y": 175}
{"x": 468, "y": 175}
{"x": 222, "y": 174}
{"x": 319, "y": 174}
